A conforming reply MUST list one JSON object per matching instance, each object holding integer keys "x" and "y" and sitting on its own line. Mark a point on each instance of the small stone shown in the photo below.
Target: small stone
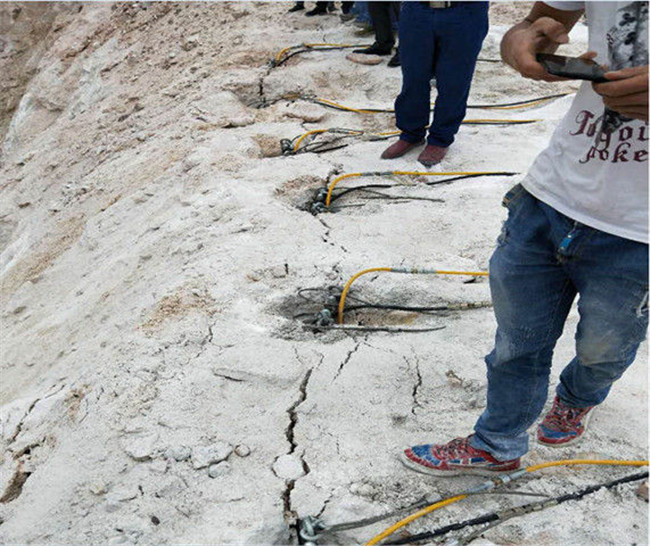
{"x": 288, "y": 467}
{"x": 642, "y": 491}
{"x": 19, "y": 310}
{"x": 122, "y": 494}
{"x": 179, "y": 453}
{"x": 203, "y": 456}
{"x": 139, "y": 447}
{"x": 158, "y": 466}
{"x": 362, "y": 58}
{"x": 189, "y": 163}
{"x": 279, "y": 271}
{"x": 24, "y": 204}
{"x": 362, "y": 490}
{"x": 220, "y": 469}
{"x": 98, "y": 489}
{"x": 242, "y": 450}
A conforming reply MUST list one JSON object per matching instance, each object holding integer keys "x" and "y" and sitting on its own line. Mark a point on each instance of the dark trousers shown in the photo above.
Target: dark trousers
{"x": 382, "y": 15}
{"x": 440, "y": 43}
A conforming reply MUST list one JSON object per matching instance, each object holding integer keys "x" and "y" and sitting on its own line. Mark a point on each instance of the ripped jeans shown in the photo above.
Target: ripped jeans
{"x": 542, "y": 261}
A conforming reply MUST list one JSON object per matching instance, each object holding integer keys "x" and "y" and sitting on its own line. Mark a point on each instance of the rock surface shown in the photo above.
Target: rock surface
{"x": 155, "y": 247}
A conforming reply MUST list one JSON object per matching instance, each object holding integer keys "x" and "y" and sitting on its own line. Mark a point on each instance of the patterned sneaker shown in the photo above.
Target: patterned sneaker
{"x": 456, "y": 457}
{"x": 563, "y": 425}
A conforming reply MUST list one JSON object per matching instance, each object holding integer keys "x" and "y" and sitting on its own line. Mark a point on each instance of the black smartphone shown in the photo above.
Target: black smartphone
{"x": 572, "y": 67}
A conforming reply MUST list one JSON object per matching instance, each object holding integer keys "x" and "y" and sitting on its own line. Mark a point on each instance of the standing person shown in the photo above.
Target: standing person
{"x": 577, "y": 225}
{"x": 383, "y": 14}
{"x": 438, "y": 40}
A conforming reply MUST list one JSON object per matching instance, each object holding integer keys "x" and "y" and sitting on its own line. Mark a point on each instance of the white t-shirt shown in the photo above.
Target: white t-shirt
{"x": 600, "y": 178}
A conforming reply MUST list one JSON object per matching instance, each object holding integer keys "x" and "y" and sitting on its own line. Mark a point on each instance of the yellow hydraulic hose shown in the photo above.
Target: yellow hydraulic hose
{"x": 334, "y": 182}
{"x": 350, "y": 109}
{"x": 282, "y": 52}
{"x": 440, "y": 504}
{"x": 334, "y": 104}
{"x": 569, "y": 462}
{"x": 412, "y": 270}
{"x": 359, "y": 132}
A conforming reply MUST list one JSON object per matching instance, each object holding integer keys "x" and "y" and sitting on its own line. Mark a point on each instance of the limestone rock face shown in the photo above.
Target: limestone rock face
{"x": 161, "y": 273}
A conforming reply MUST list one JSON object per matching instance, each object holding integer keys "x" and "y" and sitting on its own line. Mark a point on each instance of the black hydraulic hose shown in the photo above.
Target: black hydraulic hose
{"x": 509, "y": 513}
{"x": 430, "y": 183}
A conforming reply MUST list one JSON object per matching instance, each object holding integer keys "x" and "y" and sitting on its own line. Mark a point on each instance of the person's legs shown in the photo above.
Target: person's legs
{"x": 380, "y": 12}
{"x": 611, "y": 274}
{"x": 413, "y": 104}
{"x": 459, "y": 33}
{"x": 532, "y": 295}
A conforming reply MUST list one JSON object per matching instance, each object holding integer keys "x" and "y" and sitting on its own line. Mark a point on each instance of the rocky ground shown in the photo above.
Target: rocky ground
{"x": 156, "y": 387}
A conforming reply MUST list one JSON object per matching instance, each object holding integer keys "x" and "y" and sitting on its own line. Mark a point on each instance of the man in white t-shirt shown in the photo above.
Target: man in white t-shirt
{"x": 577, "y": 226}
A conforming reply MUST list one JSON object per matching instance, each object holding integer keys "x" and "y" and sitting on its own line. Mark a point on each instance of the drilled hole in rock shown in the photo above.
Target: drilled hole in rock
{"x": 300, "y": 192}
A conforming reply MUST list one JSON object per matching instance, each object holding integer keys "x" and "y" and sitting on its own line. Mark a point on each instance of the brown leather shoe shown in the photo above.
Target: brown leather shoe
{"x": 398, "y": 149}
{"x": 432, "y": 155}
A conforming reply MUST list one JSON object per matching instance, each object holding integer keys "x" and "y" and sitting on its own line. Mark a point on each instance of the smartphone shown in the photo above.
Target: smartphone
{"x": 572, "y": 67}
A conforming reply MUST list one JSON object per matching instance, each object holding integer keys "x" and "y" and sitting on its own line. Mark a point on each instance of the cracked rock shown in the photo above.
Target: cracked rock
{"x": 203, "y": 456}
{"x": 288, "y": 467}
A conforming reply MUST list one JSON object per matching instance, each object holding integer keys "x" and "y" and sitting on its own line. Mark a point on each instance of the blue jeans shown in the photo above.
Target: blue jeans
{"x": 542, "y": 261}
{"x": 440, "y": 43}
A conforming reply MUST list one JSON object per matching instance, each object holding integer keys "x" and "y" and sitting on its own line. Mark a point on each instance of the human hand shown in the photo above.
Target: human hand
{"x": 626, "y": 92}
{"x": 521, "y": 44}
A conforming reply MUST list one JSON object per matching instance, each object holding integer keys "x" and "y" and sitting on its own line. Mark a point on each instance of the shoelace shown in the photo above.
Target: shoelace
{"x": 565, "y": 418}
{"x": 455, "y": 449}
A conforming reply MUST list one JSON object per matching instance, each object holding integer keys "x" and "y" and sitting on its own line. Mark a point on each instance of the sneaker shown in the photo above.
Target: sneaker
{"x": 454, "y": 458}
{"x": 316, "y": 11}
{"x": 563, "y": 425}
{"x": 296, "y": 7}
{"x": 432, "y": 155}
{"x": 398, "y": 149}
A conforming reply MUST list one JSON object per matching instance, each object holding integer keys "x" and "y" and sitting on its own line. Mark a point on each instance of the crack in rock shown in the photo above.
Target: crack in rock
{"x": 346, "y": 360}
{"x": 416, "y": 386}
{"x": 290, "y": 515}
{"x": 19, "y": 426}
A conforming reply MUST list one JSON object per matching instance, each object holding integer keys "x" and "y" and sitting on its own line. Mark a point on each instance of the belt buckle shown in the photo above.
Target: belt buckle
{"x": 439, "y": 5}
